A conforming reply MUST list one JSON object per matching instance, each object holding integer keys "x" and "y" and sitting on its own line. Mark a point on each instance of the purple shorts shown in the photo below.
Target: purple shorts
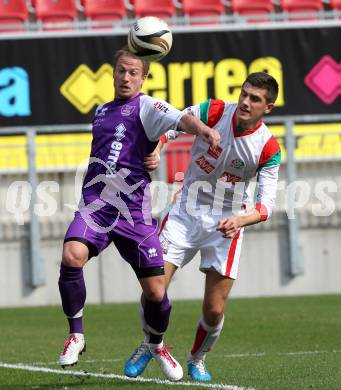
{"x": 138, "y": 243}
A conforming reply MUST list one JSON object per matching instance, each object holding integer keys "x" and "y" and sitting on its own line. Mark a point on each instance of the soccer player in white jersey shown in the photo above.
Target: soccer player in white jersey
{"x": 210, "y": 213}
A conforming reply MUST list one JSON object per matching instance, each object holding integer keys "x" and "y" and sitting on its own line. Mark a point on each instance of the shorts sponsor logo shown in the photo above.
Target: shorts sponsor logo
{"x": 152, "y": 252}
{"x": 215, "y": 153}
{"x": 127, "y": 110}
{"x": 237, "y": 163}
{"x": 204, "y": 164}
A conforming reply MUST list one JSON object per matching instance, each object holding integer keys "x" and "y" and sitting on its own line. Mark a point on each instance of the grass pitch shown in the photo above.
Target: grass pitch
{"x": 267, "y": 343}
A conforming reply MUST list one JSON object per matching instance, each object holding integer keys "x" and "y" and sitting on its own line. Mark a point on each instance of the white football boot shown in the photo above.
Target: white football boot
{"x": 74, "y": 346}
{"x": 169, "y": 366}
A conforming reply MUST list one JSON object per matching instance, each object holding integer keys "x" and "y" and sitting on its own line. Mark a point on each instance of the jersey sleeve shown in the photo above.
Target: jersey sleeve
{"x": 157, "y": 117}
{"x": 267, "y": 178}
{"x": 266, "y": 190}
{"x": 211, "y": 111}
{"x": 172, "y": 134}
{"x": 208, "y": 112}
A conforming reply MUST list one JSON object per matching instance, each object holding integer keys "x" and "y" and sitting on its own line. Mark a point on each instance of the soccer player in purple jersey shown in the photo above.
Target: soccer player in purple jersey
{"x": 116, "y": 207}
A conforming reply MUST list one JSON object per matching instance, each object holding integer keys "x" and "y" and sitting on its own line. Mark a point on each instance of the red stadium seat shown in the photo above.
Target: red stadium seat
{"x": 203, "y": 9}
{"x": 56, "y": 11}
{"x": 105, "y": 11}
{"x": 160, "y": 8}
{"x": 13, "y": 12}
{"x": 335, "y": 5}
{"x": 256, "y": 7}
{"x": 302, "y": 6}
{"x": 178, "y": 156}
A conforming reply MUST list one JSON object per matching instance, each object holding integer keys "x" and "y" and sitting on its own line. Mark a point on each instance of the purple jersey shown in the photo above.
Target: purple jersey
{"x": 124, "y": 132}
{"x": 116, "y": 204}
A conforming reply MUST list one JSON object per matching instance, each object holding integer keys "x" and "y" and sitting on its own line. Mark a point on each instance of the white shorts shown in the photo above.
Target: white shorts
{"x": 182, "y": 236}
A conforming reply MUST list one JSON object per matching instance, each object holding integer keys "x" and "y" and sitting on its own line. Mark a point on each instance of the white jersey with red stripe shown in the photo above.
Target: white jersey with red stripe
{"x": 216, "y": 185}
{"x": 221, "y": 178}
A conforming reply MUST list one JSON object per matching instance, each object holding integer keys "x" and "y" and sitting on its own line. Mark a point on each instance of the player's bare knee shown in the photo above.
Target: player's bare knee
{"x": 213, "y": 314}
{"x": 73, "y": 258}
{"x": 155, "y": 295}
{"x": 155, "y": 291}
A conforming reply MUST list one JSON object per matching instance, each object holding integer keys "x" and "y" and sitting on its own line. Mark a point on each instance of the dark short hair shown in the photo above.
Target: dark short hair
{"x": 265, "y": 81}
{"x": 125, "y": 52}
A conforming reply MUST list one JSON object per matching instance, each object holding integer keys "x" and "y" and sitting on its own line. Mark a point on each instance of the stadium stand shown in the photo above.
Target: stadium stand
{"x": 257, "y": 7}
{"x": 335, "y": 5}
{"x": 54, "y": 13}
{"x": 160, "y": 8}
{"x": 13, "y": 12}
{"x": 40, "y": 15}
{"x": 311, "y": 7}
{"x": 106, "y": 12}
{"x": 203, "y": 9}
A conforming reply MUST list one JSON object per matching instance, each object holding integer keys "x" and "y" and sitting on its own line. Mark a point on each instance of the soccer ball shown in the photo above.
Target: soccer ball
{"x": 150, "y": 38}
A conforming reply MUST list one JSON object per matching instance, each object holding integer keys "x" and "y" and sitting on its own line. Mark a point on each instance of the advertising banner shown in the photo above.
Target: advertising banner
{"x": 61, "y": 80}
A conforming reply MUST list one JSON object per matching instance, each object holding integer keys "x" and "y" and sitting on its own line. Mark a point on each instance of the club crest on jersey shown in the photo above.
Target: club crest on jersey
{"x": 215, "y": 153}
{"x": 161, "y": 106}
{"x": 119, "y": 131}
{"x": 230, "y": 178}
{"x": 237, "y": 163}
{"x": 127, "y": 110}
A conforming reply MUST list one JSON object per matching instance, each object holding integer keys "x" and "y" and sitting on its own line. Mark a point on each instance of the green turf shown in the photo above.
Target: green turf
{"x": 267, "y": 343}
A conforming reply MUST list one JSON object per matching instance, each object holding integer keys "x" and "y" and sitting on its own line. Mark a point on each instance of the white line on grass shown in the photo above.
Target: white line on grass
{"x": 55, "y": 363}
{"x": 308, "y": 352}
{"x": 121, "y": 377}
{"x": 234, "y": 355}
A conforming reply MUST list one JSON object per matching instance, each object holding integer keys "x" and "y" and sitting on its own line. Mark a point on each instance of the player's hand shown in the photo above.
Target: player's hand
{"x": 211, "y": 136}
{"x": 229, "y": 227}
{"x": 151, "y": 161}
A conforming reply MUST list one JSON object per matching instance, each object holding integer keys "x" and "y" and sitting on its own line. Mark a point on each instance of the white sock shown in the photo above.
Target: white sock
{"x": 205, "y": 338}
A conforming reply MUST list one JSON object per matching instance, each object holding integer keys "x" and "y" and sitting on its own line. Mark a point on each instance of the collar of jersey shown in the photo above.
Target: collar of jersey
{"x": 247, "y": 132}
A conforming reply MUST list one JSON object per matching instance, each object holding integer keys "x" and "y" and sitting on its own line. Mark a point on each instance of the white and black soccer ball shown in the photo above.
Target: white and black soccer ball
{"x": 150, "y": 38}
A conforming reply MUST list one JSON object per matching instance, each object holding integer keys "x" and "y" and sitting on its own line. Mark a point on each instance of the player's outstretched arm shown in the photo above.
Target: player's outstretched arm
{"x": 192, "y": 125}
{"x": 229, "y": 226}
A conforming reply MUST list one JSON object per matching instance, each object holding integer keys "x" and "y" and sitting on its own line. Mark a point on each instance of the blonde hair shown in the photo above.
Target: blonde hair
{"x": 125, "y": 52}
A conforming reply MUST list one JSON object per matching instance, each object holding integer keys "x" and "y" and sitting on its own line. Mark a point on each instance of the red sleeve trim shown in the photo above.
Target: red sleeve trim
{"x": 163, "y": 139}
{"x": 269, "y": 150}
{"x": 262, "y": 211}
{"x": 215, "y": 112}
